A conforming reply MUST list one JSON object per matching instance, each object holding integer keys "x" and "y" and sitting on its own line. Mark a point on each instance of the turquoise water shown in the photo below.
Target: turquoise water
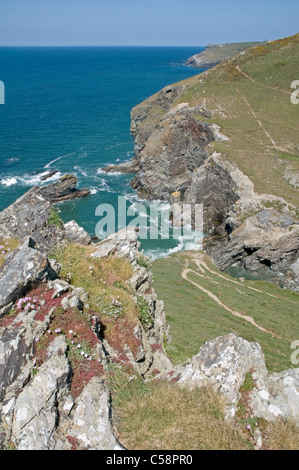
{"x": 68, "y": 109}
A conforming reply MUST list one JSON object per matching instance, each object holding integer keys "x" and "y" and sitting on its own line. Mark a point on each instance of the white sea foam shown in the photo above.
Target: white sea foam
{"x": 111, "y": 173}
{"x": 29, "y": 180}
{"x": 9, "y": 181}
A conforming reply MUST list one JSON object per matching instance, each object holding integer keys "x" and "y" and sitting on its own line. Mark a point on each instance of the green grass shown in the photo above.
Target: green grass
{"x": 54, "y": 218}
{"x": 164, "y": 416}
{"x": 195, "y": 318}
{"x": 8, "y": 245}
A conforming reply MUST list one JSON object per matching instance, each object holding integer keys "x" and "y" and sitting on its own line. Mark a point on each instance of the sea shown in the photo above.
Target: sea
{"x": 68, "y": 109}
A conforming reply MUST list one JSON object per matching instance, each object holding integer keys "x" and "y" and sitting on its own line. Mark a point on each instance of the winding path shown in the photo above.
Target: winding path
{"x": 247, "y": 318}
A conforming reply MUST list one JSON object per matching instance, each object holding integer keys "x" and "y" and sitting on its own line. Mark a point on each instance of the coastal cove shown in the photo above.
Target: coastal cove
{"x": 68, "y": 109}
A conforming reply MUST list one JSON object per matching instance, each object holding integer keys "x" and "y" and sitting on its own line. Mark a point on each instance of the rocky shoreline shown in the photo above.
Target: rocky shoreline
{"x": 216, "y": 53}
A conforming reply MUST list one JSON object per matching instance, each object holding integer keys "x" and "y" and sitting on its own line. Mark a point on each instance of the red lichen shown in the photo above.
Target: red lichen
{"x": 73, "y": 441}
{"x": 120, "y": 333}
{"x": 83, "y": 372}
{"x": 156, "y": 347}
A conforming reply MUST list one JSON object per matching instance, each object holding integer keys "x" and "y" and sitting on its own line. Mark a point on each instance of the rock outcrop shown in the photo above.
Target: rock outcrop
{"x": 223, "y": 364}
{"x": 62, "y": 190}
{"x": 22, "y": 269}
{"x": 54, "y": 390}
{"x": 266, "y": 243}
{"x": 48, "y": 400}
{"x": 216, "y": 53}
{"x": 30, "y": 216}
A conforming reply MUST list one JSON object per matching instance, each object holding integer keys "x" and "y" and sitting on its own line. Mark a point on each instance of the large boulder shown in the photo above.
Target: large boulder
{"x": 223, "y": 364}
{"x": 76, "y": 234}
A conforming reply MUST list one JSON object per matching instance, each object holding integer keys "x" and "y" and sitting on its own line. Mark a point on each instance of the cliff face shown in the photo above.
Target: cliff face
{"x": 204, "y": 141}
{"x": 56, "y": 352}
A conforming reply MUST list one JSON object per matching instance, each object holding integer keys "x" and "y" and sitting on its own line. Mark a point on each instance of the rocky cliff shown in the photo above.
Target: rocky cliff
{"x": 54, "y": 349}
{"x": 203, "y": 141}
{"x": 61, "y": 344}
{"x": 216, "y": 53}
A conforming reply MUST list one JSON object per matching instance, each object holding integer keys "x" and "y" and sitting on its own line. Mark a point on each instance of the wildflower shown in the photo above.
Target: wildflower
{"x": 58, "y": 330}
{"x": 71, "y": 332}
{"x": 36, "y": 340}
{"x": 248, "y": 427}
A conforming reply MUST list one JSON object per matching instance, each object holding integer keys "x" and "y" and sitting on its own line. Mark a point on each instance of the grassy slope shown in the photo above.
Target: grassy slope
{"x": 234, "y": 97}
{"x": 195, "y": 318}
{"x": 218, "y": 52}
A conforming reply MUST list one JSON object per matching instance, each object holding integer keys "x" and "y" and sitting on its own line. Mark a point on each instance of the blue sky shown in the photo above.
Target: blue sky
{"x": 144, "y": 23}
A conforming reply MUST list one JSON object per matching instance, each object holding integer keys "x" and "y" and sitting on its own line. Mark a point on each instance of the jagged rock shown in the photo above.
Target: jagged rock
{"x": 267, "y": 242}
{"x": 170, "y": 155}
{"x": 23, "y": 267}
{"x": 126, "y": 167}
{"x": 35, "y": 411}
{"x": 223, "y": 364}
{"x": 279, "y": 397}
{"x": 76, "y": 234}
{"x": 72, "y": 301}
{"x": 89, "y": 421}
{"x": 30, "y": 216}
{"x": 13, "y": 355}
{"x": 62, "y": 190}
{"x": 123, "y": 244}
{"x": 59, "y": 286}
{"x": 212, "y": 186}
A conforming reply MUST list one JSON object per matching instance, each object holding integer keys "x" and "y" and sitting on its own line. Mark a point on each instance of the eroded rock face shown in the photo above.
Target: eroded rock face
{"x": 90, "y": 421}
{"x": 35, "y": 414}
{"x": 76, "y": 234}
{"x": 30, "y": 216}
{"x": 267, "y": 242}
{"x": 22, "y": 268}
{"x": 169, "y": 157}
{"x": 223, "y": 363}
